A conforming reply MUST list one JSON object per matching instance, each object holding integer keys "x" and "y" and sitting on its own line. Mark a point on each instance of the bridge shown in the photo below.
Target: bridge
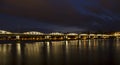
{"x": 35, "y": 35}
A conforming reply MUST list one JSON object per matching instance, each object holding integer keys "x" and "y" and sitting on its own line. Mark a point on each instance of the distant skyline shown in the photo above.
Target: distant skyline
{"x": 60, "y": 15}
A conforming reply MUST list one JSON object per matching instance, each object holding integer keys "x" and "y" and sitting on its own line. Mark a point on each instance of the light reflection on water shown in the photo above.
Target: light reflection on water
{"x": 72, "y": 52}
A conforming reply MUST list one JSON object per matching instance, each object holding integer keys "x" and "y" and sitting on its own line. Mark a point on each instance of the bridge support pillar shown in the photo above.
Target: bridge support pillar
{"x": 79, "y": 36}
{"x": 89, "y": 37}
{"x": 65, "y": 37}
{"x": 18, "y": 37}
{"x": 47, "y": 37}
{"x": 95, "y": 37}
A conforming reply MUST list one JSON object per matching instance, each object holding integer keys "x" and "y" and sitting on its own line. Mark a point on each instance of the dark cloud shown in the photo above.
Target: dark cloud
{"x": 92, "y": 15}
{"x": 23, "y": 25}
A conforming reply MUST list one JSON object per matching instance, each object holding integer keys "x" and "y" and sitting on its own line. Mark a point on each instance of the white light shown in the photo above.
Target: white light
{"x": 72, "y": 34}
{"x": 18, "y": 48}
{"x": 56, "y": 33}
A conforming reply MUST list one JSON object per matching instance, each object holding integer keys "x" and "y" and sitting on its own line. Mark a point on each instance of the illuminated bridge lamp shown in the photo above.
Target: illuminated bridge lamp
{"x": 17, "y": 37}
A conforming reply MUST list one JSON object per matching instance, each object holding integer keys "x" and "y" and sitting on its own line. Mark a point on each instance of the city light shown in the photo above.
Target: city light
{"x": 34, "y": 35}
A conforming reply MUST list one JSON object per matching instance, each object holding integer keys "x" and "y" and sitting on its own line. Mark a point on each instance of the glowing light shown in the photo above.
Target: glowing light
{"x": 56, "y": 33}
{"x": 4, "y": 32}
{"x": 17, "y": 37}
{"x": 116, "y": 34}
{"x": 18, "y": 48}
{"x": 83, "y": 34}
{"x": 72, "y": 34}
{"x": 34, "y": 33}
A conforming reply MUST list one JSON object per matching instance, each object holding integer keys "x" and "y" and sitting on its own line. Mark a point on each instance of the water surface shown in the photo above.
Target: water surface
{"x": 73, "y": 52}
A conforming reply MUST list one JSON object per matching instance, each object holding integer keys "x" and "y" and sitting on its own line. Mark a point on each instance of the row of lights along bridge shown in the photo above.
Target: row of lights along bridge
{"x": 34, "y": 35}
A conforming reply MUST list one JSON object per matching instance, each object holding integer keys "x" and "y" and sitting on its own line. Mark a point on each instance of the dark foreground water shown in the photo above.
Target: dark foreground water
{"x": 74, "y": 52}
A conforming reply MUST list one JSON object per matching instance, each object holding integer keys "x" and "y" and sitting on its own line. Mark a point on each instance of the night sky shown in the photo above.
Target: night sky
{"x": 60, "y": 15}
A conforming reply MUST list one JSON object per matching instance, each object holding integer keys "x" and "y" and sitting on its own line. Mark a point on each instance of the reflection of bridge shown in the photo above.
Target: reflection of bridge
{"x": 34, "y": 35}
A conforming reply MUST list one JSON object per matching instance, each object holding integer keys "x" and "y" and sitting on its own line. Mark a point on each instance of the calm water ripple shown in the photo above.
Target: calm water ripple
{"x": 73, "y": 52}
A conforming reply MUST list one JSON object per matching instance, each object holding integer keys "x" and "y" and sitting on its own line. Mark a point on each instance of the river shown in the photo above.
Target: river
{"x": 72, "y": 52}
